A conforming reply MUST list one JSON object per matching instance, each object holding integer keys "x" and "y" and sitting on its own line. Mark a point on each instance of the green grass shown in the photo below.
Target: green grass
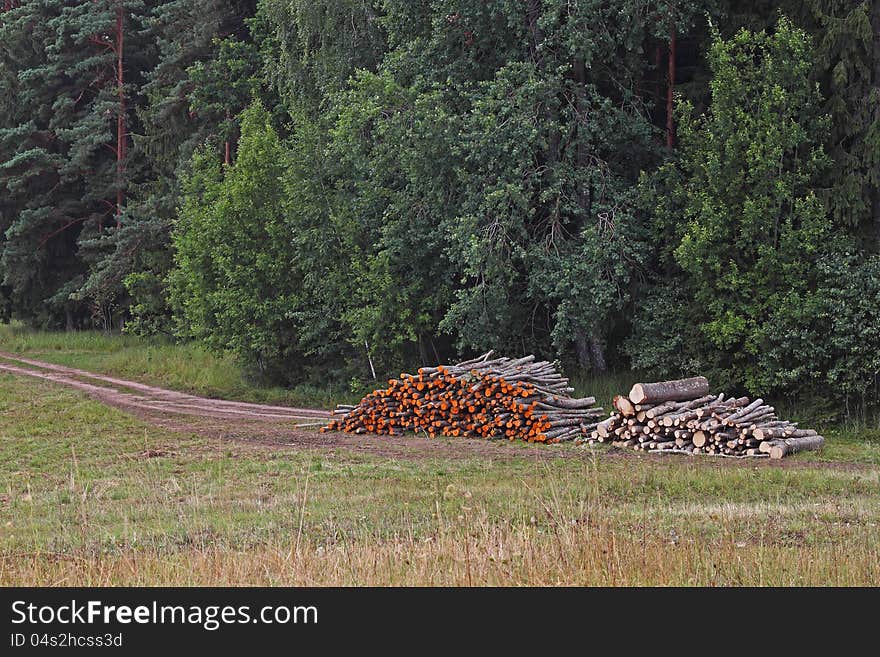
{"x": 187, "y": 367}
{"x": 91, "y": 495}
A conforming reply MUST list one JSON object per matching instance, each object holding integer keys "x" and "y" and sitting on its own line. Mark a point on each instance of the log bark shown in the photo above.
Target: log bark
{"x": 798, "y": 433}
{"x": 760, "y": 415}
{"x": 605, "y": 428}
{"x": 780, "y": 448}
{"x": 744, "y": 411}
{"x": 679, "y": 390}
{"x": 577, "y": 404}
{"x": 659, "y": 410}
{"x": 771, "y": 433}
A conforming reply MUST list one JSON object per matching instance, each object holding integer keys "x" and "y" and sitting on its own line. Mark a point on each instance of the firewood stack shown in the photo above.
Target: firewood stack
{"x": 485, "y": 397}
{"x": 681, "y": 416}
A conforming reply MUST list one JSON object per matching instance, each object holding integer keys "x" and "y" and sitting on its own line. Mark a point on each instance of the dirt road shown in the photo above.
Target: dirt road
{"x": 258, "y": 424}
{"x": 132, "y": 395}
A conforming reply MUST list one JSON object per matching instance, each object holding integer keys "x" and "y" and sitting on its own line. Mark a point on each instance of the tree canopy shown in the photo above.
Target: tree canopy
{"x": 680, "y": 186}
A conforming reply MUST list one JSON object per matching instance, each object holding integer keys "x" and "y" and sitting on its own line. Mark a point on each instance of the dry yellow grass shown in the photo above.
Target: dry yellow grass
{"x": 472, "y": 554}
{"x": 81, "y": 505}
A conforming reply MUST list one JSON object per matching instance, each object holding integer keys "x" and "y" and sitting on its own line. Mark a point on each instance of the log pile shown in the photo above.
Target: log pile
{"x": 681, "y": 416}
{"x": 483, "y": 398}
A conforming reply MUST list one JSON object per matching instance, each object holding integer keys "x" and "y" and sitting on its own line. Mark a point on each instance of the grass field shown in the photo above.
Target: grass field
{"x": 91, "y": 495}
{"x": 185, "y": 367}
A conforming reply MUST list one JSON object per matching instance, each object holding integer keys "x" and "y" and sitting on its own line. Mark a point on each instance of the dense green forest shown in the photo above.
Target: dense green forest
{"x": 326, "y": 186}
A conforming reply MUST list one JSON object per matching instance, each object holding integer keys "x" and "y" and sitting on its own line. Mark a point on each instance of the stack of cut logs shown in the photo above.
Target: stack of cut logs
{"x": 485, "y": 397}
{"x": 681, "y": 416}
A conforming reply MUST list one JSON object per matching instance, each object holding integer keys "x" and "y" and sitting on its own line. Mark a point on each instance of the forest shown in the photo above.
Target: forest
{"x": 338, "y": 189}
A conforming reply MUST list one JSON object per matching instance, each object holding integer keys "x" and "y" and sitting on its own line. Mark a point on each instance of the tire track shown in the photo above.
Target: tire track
{"x": 148, "y": 399}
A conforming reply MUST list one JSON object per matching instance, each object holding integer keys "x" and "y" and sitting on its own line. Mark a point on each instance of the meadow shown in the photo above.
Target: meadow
{"x": 90, "y": 495}
{"x": 187, "y": 367}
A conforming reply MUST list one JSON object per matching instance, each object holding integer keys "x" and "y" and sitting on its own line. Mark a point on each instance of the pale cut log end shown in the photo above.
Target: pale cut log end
{"x": 637, "y": 394}
{"x": 624, "y": 405}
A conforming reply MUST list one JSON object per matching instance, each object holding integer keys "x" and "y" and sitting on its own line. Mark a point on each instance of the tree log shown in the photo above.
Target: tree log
{"x": 760, "y": 414}
{"x": 660, "y": 409}
{"x": 605, "y": 428}
{"x": 770, "y": 433}
{"x": 624, "y": 405}
{"x": 745, "y": 411}
{"x": 798, "y": 433}
{"x": 680, "y": 390}
{"x": 575, "y": 404}
{"x": 780, "y": 448}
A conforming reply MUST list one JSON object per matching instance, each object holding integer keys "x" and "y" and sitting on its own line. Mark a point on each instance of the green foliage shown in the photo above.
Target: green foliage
{"x": 235, "y": 284}
{"x": 57, "y": 167}
{"x": 417, "y": 181}
{"x": 149, "y": 308}
{"x": 830, "y": 336}
{"x": 222, "y": 85}
{"x": 848, "y": 50}
{"x": 66, "y": 253}
{"x": 755, "y": 226}
{"x": 234, "y": 287}
{"x": 665, "y": 340}
{"x": 204, "y": 75}
{"x": 310, "y": 48}
{"x": 513, "y": 160}
{"x": 390, "y": 146}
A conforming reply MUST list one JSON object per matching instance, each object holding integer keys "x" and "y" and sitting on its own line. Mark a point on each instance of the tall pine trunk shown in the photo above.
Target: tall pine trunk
{"x": 875, "y": 191}
{"x": 670, "y": 90}
{"x": 120, "y": 119}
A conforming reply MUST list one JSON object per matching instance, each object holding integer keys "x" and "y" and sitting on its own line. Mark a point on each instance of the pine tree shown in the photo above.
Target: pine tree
{"x": 188, "y": 37}
{"x": 848, "y": 67}
{"x": 66, "y": 157}
{"x": 312, "y": 47}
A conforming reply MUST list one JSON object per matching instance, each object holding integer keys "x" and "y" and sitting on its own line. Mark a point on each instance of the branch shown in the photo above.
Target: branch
{"x": 99, "y": 41}
{"x": 73, "y": 222}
